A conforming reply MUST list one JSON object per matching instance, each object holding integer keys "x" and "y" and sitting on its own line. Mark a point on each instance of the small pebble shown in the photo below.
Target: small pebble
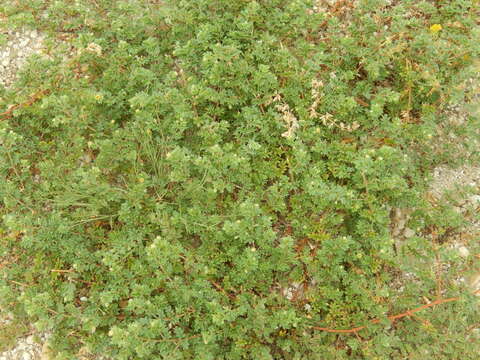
{"x": 458, "y": 210}
{"x": 474, "y": 283}
{"x": 474, "y": 199}
{"x": 463, "y": 251}
{"x": 408, "y": 233}
{"x": 29, "y": 340}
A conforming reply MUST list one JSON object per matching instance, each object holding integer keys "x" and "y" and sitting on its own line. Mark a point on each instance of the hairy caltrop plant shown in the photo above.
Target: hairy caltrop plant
{"x": 214, "y": 179}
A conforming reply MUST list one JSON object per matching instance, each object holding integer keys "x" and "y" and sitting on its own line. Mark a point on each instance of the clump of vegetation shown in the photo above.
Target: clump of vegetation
{"x": 213, "y": 179}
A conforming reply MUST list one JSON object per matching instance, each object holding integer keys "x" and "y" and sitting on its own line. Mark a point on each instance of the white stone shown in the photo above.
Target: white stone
{"x": 458, "y": 210}
{"x": 408, "y": 233}
{"x": 474, "y": 283}
{"x": 474, "y": 199}
{"x": 463, "y": 251}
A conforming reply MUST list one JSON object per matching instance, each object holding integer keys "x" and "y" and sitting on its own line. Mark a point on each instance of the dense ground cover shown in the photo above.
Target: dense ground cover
{"x": 215, "y": 179}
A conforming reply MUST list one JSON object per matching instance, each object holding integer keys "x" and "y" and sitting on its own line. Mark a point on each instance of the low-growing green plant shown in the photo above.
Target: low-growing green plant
{"x": 213, "y": 179}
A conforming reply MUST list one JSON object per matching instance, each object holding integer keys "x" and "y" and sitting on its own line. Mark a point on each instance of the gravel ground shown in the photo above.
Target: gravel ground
{"x": 446, "y": 184}
{"x": 13, "y": 55}
{"x": 22, "y": 44}
{"x": 26, "y": 349}
{"x": 14, "y": 52}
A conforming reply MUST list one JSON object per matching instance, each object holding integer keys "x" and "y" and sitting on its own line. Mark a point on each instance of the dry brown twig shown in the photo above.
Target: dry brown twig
{"x": 33, "y": 98}
{"x": 392, "y": 318}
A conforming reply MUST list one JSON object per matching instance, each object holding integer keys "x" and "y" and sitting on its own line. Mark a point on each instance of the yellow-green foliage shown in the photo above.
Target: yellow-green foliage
{"x": 194, "y": 159}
